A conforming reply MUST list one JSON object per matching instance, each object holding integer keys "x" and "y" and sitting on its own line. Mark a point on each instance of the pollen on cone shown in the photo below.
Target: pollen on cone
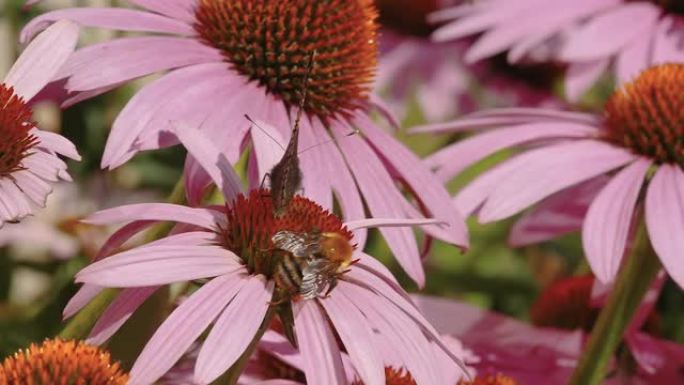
{"x": 497, "y": 379}
{"x": 61, "y": 362}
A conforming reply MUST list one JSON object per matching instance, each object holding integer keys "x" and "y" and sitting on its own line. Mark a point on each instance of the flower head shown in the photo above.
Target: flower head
{"x": 28, "y": 156}
{"x": 247, "y": 276}
{"x": 634, "y": 35}
{"x": 635, "y": 145}
{"x": 61, "y": 362}
{"x": 226, "y": 59}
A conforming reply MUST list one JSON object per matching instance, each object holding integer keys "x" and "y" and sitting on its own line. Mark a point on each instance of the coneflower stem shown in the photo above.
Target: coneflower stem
{"x": 632, "y": 283}
{"x": 80, "y": 325}
{"x": 233, "y": 374}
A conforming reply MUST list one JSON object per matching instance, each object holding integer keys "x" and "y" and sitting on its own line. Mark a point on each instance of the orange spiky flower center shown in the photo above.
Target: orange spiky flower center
{"x": 394, "y": 376}
{"x": 271, "y": 42}
{"x": 16, "y": 140}
{"x": 251, "y": 223}
{"x": 647, "y": 115}
{"x": 408, "y": 16}
{"x": 61, "y": 362}
{"x": 490, "y": 379}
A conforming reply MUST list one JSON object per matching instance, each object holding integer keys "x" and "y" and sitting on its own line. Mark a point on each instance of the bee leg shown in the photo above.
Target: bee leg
{"x": 331, "y": 286}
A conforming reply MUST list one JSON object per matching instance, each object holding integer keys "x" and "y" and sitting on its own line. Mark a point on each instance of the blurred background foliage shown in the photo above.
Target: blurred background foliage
{"x": 35, "y": 286}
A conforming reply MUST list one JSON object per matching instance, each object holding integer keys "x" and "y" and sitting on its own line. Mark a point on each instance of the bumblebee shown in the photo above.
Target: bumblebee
{"x": 311, "y": 262}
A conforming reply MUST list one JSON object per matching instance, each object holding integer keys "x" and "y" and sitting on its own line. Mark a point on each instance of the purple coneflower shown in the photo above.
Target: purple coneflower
{"x": 232, "y": 251}
{"x": 29, "y": 160}
{"x": 636, "y": 145}
{"x": 590, "y": 35}
{"x": 226, "y": 59}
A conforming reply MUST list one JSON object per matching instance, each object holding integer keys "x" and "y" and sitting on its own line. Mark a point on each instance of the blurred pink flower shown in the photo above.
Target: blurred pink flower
{"x": 590, "y": 35}
{"x": 220, "y": 69}
{"x": 233, "y": 248}
{"x": 543, "y": 355}
{"x": 641, "y": 130}
{"x": 29, "y": 160}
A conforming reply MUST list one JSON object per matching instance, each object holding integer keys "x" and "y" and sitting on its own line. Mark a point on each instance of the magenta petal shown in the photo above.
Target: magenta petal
{"x": 112, "y": 18}
{"x": 114, "y": 61}
{"x": 211, "y": 159}
{"x": 84, "y": 295}
{"x": 665, "y": 218}
{"x": 120, "y": 236}
{"x": 539, "y": 173}
{"x": 118, "y": 312}
{"x": 159, "y": 265}
{"x": 318, "y": 346}
{"x": 204, "y": 218}
{"x": 42, "y": 58}
{"x": 561, "y": 213}
{"x": 609, "y": 219}
{"x": 173, "y": 338}
{"x": 177, "y": 9}
{"x": 606, "y": 33}
{"x": 357, "y": 338}
{"x": 457, "y": 157}
{"x": 234, "y": 329}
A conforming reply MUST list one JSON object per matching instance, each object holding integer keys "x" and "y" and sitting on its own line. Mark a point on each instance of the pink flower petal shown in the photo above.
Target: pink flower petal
{"x": 456, "y": 158}
{"x": 112, "y": 18}
{"x": 141, "y": 266}
{"x": 357, "y": 338}
{"x": 84, "y": 295}
{"x": 34, "y": 187}
{"x": 182, "y": 327}
{"x": 114, "y": 61}
{"x": 608, "y": 32}
{"x": 390, "y": 222}
{"x": 118, "y": 312}
{"x": 42, "y": 58}
{"x": 204, "y": 218}
{"x": 383, "y": 200}
{"x": 539, "y": 173}
{"x": 559, "y": 214}
{"x": 269, "y": 146}
{"x": 234, "y": 329}
{"x": 637, "y": 56}
{"x": 665, "y": 218}
{"x": 609, "y": 219}
{"x": 57, "y": 143}
{"x": 316, "y": 180}
{"x": 119, "y": 237}
{"x": 318, "y": 346}
{"x": 177, "y": 9}
{"x": 429, "y": 190}
{"x": 211, "y": 159}
{"x": 581, "y": 76}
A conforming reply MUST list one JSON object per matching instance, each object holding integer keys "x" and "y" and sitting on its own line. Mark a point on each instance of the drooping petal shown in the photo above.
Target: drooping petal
{"x": 609, "y": 219}
{"x": 539, "y": 173}
{"x": 111, "y": 18}
{"x": 114, "y": 61}
{"x": 182, "y": 327}
{"x": 204, "y": 218}
{"x": 118, "y": 312}
{"x": 56, "y": 143}
{"x": 581, "y": 76}
{"x": 211, "y": 159}
{"x": 42, "y": 58}
{"x": 665, "y": 218}
{"x": 390, "y": 222}
{"x": 318, "y": 346}
{"x": 357, "y": 338}
{"x": 234, "y": 329}
{"x": 159, "y": 265}
{"x": 84, "y": 295}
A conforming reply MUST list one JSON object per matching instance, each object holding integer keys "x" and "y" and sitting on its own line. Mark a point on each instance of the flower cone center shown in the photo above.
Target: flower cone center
{"x": 497, "y": 379}
{"x": 251, "y": 224}
{"x": 15, "y": 125}
{"x": 565, "y": 304}
{"x": 647, "y": 115}
{"x": 272, "y": 41}
{"x": 61, "y": 362}
{"x": 394, "y": 376}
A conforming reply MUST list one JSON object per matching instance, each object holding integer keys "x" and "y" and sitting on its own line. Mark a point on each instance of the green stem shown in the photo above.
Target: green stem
{"x": 633, "y": 281}
{"x": 233, "y": 374}
{"x": 79, "y": 326}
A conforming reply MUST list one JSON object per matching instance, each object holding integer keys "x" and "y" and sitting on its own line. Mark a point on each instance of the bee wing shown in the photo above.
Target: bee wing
{"x": 316, "y": 275}
{"x": 301, "y": 245}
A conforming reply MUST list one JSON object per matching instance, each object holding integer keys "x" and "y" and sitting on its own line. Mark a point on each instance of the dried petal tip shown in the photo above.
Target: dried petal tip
{"x": 647, "y": 115}
{"x": 15, "y": 126}
{"x": 271, "y": 41}
{"x": 498, "y": 379}
{"x": 61, "y": 362}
